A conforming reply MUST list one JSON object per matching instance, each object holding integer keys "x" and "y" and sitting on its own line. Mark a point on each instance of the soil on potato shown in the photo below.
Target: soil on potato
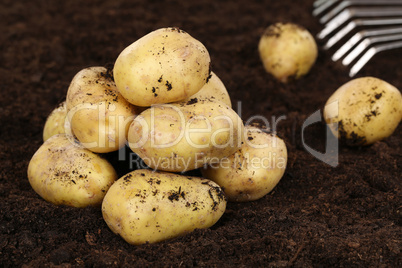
{"x": 317, "y": 216}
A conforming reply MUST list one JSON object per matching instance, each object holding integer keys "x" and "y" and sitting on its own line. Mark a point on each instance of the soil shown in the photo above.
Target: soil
{"x": 317, "y": 216}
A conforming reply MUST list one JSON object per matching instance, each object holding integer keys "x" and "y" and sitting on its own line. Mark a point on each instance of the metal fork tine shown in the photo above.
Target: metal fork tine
{"x": 347, "y": 14}
{"x": 359, "y": 36}
{"x": 366, "y": 43}
{"x": 338, "y": 8}
{"x": 342, "y": 33}
{"x": 318, "y": 3}
{"x": 321, "y": 6}
{"x": 370, "y": 53}
{"x": 335, "y": 23}
{"x": 359, "y": 22}
{"x": 343, "y": 17}
{"x": 376, "y": 22}
{"x": 347, "y": 46}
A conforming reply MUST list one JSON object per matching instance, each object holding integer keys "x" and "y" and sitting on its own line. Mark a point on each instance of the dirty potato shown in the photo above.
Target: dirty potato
{"x": 56, "y": 122}
{"x": 287, "y": 50}
{"x": 185, "y": 136}
{"x": 65, "y": 173}
{"x": 363, "y": 111}
{"x": 166, "y": 65}
{"x": 98, "y": 114}
{"x": 148, "y": 207}
{"x": 214, "y": 89}
{"x": 252, "y": 171}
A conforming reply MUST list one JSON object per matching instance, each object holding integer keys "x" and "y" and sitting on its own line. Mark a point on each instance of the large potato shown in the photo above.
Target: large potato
{"x": 252, "y": 171}
{"x": 98, "y": 114}
{"x": 166, "y": 65}
{"x": 65, "y": 173}
{"x": 287, "y": 50}
{"x": 185, "y": 136}
{"x": 56, "y": 122}
{"x": 363, "y": 111}
{"x": 214, "y": 89}
{"x": 148, "y": 207}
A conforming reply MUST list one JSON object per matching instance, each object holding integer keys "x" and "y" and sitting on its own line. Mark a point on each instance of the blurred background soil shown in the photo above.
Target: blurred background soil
{"x": 318, "y": 215}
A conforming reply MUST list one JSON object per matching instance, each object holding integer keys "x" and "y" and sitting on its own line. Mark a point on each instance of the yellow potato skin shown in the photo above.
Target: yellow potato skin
{"x": 287, "y": 50}
{"x": 166, "y": 65}
{"x": 98, "y": 113}
{"x": 252, "y": 171}
{"x": 56, "y": 122}
{"x": 214, "y": 89}
{"x": 64, "y": 173}
{"x": 148, "y": 207}
{"x": 366, "y": 110}
{"x": 185, "y": 136}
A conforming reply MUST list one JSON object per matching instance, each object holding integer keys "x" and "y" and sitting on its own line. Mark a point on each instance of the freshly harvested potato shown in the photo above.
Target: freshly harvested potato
{"x": 166, "y": 65}
{"x": 56, "y": 122}
{"x": 252, "y": 171}
{"x": 363, "y": 111}
{"x": 287, "y": 50}
{"x": 148, "y": 207}
{"x": 214, "y": 89}
{"x": 98, "y": 113}
{"x": 185, "y": 136}
{"x": 65, "y": 173}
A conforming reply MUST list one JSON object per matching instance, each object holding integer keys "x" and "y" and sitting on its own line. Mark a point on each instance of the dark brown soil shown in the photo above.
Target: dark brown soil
{"x": 318, "y": 215}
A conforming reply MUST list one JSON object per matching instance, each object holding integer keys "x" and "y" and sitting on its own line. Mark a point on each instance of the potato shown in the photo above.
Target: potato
{"x": 166, "y": 65}
{"x": 65, "y": 173}
{"x": 148, "y": 207}
{"x": 98, "y": 114}
{"x": 214, "y": 89}
{"x": 184, "y": 136}
{"x": 287, "y": 50}
{"x": 252, "y": 171}
{"x": 56, "y": 122}
{"x": 363, "y": 111}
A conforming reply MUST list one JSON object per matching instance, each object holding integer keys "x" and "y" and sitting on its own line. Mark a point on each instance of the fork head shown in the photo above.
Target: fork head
{"x": 376, "y": 25}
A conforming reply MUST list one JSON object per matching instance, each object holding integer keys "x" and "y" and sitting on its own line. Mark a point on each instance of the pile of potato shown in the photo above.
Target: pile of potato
{"x": 162, "y": 100}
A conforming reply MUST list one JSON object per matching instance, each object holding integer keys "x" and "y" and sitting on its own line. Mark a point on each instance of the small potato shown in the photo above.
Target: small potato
{"x": 214, "y": 89}
{"x": 65, "y": 173}
{"x": 148, "y": 207}
{"x": 56, "y": 122}
{"x": 252, "y": 171}
{"x": 166, "y": 65}
{"x": 287, "y": 50}
{"x": 185, "y": 136}
{"x": 363, "y": 111}
{"x": 98, "y": 114}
